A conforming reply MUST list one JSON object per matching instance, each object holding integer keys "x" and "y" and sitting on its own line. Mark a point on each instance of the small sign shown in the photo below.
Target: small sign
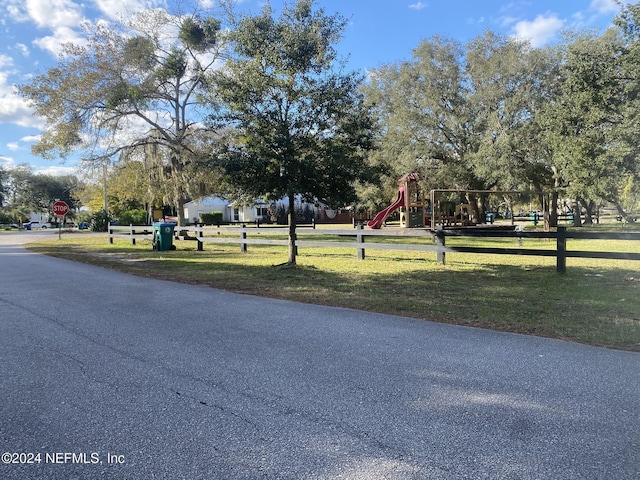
{"x": 60, "y": 208}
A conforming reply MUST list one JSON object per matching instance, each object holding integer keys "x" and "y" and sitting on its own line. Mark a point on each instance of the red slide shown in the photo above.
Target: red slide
{"x": 381, "y": 217}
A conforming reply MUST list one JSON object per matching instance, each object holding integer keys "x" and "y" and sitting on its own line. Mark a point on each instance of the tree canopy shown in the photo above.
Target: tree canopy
{"x": 131, "y": 89}
{"x": 497, "y": 114}
{"x": 593, "y": 121}
{"x": 297, "y": 123}
{"x": 465, "y": 116}
{"x": 26, "y": 191}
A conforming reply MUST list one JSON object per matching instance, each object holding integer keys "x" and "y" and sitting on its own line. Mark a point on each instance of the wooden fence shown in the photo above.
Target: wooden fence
{"x": 357, "y": 239}
{"x": 560, "y": 252}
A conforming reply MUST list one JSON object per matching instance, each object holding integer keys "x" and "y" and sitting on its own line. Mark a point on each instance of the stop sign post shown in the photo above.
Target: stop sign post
{"x": 60, "y": 208}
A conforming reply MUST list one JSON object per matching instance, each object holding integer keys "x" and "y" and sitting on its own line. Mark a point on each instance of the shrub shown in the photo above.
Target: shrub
{"x": 211, "y": 218}
{"x": 100, "y": 221}
{"x": 133, "y": 217}
{"x": 305, "y": 214}
{"x": 4, "y": 218}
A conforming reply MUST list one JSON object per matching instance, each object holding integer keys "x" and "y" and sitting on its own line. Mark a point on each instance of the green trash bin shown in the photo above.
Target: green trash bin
{"x": 534, "y": 217}
{"x": 163, "y": 236}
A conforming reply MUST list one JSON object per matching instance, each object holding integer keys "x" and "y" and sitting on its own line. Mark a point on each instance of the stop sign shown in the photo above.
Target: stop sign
{"x": 60, "y": 208}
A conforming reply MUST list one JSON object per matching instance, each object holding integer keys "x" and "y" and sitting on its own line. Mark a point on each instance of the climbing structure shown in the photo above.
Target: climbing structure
{"x": 409, "y": 201}
{"x": 412, "y": 212}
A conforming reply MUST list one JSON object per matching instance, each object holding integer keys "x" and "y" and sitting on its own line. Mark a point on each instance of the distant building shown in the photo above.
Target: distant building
{"x": 231, "y": 212}
{"x": 39, "y": 217}
{"x": 258, "y": 211}
{"x": 268, "y": 212}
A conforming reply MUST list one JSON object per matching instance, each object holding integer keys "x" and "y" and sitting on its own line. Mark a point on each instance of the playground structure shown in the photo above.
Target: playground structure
{"x": 409, "y": 200}
{"x": 416, "y": 211}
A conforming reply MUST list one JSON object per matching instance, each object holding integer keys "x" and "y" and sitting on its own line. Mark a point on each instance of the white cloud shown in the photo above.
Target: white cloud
{"x": 53, "y": 13}
{"x": 57, "y": 171}
{"x": 505, "y": 21}
{"x": 23, "y": 49}
{"x": 539, "y": 31}
{"x": 15, "y": 146}
{"x": 418, "y": 6}
{"x": 5, "y": 61}
{"x": 476, "y": 21}
{"x": 7, "y": 161}
{"x": 53, "y": 43}
{"x": 16, "y": 11}
{"x": 60, "y": 17}
{"x": 605, "y": 6}
{"x": 114, "y": 9}
{"x": 13, "y": 108}
{"x": 209, "y": 4}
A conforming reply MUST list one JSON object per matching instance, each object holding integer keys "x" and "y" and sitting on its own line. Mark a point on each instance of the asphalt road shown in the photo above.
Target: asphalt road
{"x": 106, "y": 375}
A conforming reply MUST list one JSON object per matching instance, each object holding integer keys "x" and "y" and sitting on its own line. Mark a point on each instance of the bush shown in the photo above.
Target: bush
{"x": 305, "y": 214}
{"x": 100, "y": 221}
{"x": 279, "y": 212}
{"x": 4, "y": 218}
{"x": 211, "y": 218}
{"x": 133, "y": 217}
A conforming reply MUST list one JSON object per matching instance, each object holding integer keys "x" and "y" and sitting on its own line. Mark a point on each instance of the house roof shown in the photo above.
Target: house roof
{"x": 209, "y": 201}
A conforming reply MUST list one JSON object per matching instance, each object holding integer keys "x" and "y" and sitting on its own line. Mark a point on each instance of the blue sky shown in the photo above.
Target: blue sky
{"x": 378, "y": 32}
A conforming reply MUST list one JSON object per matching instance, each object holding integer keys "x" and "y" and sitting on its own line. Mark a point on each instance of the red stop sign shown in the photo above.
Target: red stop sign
{"x": 60, "y": 208}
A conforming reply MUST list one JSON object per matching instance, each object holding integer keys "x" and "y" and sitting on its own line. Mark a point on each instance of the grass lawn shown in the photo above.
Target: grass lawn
{"x": 596, "y": 302}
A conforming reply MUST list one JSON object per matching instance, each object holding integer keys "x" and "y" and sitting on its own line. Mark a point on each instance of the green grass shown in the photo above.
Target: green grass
{"x": 596, "y": 302}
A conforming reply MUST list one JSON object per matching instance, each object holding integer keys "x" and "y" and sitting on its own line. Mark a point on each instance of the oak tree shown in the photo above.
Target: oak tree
{"x": 298, "y": 124}
{"x": 128, "y": 87}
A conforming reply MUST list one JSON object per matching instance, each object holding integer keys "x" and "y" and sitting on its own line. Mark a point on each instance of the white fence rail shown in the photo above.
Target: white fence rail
{"x": 244, "y": 236}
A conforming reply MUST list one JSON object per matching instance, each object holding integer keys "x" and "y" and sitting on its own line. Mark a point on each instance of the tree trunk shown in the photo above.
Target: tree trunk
{"x": 180, "y": 211}
{"x": 292, "y": 230}
{"x": 484, "y": 207}
{"x": 553, "y": 213}
{"x": 589, "y": 208}
{"x": 509, "y": 208}
{"x": 553, "y": 210}
{"x": 545, "y": 213}
{"x": 476, "y": 216}
{"x": 621, "y": 212}
{"x": 577, "y": 214}
{"x": 178, "y": 188}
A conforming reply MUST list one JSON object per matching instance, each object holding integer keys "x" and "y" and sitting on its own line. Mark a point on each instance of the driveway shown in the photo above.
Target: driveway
{"x": 106, "y": 375}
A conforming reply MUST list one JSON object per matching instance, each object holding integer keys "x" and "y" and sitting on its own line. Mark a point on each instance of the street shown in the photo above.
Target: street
{"x": 107, "y": 375}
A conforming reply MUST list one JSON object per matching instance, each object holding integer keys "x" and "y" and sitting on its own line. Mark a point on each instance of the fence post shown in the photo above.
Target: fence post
{"x": 243, "y": 237}
{"x": 110, "y": 233}
{"x": 519, "y": 229}
{"x": 131, "y": 233}
{"x": 199, "y": 235}
{"x": 440, "y": 242}
{"x": 561, "y": 250}
{"x": 360, "y": 239}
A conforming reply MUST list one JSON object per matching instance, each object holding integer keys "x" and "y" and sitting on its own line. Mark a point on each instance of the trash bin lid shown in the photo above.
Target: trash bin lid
{"x": 164, "y": 224}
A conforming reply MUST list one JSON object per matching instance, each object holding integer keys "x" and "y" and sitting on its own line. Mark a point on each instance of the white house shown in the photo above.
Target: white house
{"x": 193, "y": 209}
{"x": 39, "y": 217}
{"x": 234, "y": 212}
{"x": 231, "y": 212}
